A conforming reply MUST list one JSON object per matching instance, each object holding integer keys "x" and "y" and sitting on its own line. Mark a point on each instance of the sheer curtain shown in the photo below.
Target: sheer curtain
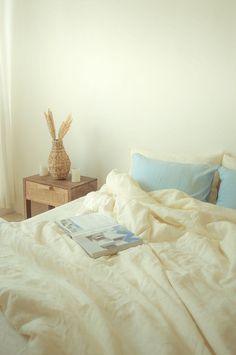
{"x": 6, "y": 157}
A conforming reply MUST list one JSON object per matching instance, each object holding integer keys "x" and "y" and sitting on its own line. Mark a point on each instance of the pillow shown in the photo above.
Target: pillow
{"x": 210, "y": 159}
{"x": 227, "y": 190}
{"x": 229, "y": 161}
{"x": 194, "y": 179}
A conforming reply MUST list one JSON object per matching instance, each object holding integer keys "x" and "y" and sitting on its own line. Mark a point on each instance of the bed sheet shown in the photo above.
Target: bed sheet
{"x": 11, "y": 342}
{"x": 175, "y": 294}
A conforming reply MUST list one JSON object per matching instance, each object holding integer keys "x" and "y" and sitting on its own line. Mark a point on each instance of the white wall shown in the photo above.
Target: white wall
{"x": 158, "y": 74}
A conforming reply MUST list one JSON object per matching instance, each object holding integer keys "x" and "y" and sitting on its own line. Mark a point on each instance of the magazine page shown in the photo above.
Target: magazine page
{"x": 98, "y": 234}
{"x": 86, "y": 224}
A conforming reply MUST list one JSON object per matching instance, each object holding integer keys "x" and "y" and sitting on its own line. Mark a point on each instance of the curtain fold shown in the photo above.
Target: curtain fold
{"x": 6, "y": 142}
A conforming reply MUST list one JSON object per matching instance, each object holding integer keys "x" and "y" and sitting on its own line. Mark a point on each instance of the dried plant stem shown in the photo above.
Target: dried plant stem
{"x": 65, "y": 126}
{"x": 50, "y": 123}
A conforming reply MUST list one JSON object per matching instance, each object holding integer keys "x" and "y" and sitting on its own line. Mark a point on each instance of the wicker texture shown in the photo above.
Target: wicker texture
{"x": 58, "y": 161}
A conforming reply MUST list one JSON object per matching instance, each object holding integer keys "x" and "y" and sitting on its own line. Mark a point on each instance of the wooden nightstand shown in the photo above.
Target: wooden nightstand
{"x": 53, "y": 193}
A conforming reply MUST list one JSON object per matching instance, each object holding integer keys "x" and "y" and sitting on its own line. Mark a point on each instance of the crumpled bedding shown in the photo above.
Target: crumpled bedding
{"x": 174, "y": 294}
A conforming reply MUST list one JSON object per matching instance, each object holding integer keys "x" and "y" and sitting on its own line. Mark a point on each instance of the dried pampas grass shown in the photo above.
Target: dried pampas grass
{"x": 64, "y": 128}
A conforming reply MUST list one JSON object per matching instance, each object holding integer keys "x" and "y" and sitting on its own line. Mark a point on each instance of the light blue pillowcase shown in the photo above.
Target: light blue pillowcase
{"x": 194, "y": 179}
{"x": 227, "y": 190}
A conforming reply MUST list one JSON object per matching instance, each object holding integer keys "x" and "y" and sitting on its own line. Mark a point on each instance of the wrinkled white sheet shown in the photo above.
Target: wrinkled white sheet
{"x": 11, "y": 343}
{"x": 175, "y": 294}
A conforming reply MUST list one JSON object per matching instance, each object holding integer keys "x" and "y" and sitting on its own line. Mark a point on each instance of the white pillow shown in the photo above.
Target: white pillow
{"x": 226, "y": 195}
{"x": 229, "y": 161}
{"x": 213, "y": 159}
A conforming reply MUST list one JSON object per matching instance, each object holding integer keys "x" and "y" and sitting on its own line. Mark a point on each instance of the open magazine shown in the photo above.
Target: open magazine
{"x": 99, "y": 234}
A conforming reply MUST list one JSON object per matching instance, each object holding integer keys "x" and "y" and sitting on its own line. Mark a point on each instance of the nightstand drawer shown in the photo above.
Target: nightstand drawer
{"x": 49, "y": 195}
{"x": 47, "y": 191}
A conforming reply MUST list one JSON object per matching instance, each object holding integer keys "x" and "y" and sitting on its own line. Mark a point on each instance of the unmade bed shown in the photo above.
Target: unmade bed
{"x": 174, "y": 294}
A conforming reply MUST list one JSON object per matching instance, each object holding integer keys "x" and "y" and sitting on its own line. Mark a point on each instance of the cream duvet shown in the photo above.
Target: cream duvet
{"x": 175, "y": 294}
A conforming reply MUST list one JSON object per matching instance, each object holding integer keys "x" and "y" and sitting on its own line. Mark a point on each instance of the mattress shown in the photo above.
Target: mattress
{"x": 174, "y": 294}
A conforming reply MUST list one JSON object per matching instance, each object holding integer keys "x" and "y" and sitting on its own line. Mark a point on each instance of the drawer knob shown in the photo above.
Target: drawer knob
{"x": 45, "y": 187}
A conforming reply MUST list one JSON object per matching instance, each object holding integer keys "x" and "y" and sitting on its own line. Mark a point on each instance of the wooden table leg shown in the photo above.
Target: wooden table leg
{"x": 28, "y": 208}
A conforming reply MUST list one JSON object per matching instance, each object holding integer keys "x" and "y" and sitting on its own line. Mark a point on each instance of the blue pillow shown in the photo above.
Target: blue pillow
{"x": 227, "y": 190}
{"x": 194, "y": 179}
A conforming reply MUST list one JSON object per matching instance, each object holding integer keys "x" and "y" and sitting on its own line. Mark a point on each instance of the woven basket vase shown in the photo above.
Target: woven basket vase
{"x": 58, "y": 161}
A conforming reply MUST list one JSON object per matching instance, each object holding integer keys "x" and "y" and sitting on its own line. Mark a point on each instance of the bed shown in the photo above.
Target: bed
{"x": 174, "y": 294}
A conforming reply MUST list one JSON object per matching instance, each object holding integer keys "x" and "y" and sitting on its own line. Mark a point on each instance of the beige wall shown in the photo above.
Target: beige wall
{"x": 158, "y": 74}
